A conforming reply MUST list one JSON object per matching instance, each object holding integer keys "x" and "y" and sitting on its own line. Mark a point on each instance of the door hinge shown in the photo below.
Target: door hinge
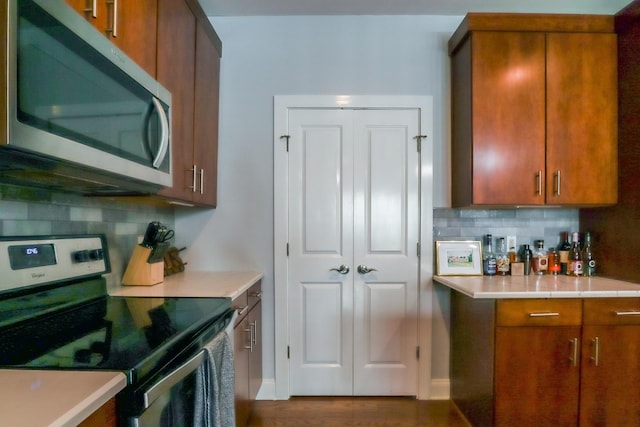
{"x": 419, "y": 139}
{"x": 418, "y": 249}
{"x": 418, "y": 352}
{"x": 286, "y": 137}
{"x": 288, "y": 352}
{"x": 287, "y": 249}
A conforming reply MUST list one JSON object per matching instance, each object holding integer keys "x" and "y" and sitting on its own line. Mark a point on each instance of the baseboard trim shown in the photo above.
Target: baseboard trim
{"x": 440, "y": 389}
{"x": 267, "y": 390}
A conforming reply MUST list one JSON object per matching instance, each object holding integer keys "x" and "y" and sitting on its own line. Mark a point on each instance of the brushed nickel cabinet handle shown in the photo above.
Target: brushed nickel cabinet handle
{"x": 596, "y": 351}
{"x": 544, "y": 314}
{"x": 574, "y": 352}
{"x": 539, "y": 183}
{"x": 113, "y": 28}
{"x": 628, "y": 313}
{"x": 558, "y": 182}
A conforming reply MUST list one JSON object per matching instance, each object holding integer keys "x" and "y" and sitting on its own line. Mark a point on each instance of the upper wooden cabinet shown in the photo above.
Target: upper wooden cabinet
{"x": 174, "y": 41}
{"x": 129, "y": 24}
{"x": 189, "y": 66}
{"x": 534, "y": 110}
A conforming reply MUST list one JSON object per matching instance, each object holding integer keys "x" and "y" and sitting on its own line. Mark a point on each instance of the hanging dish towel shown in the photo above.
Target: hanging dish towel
{"x": 215, "y": 385}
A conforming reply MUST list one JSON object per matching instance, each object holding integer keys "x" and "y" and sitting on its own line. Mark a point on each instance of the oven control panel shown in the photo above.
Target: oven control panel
{"x": 28, "y": 261}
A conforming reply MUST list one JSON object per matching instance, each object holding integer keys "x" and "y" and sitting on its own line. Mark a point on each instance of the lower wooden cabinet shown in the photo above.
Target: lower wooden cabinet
{"x": 105, "y": 416}
{"x": 546, "y": 362}
{"x": 247, "y": 342}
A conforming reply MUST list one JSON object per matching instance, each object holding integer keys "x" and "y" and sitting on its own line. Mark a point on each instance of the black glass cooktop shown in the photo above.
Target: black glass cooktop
{"x": 78, "y": 326}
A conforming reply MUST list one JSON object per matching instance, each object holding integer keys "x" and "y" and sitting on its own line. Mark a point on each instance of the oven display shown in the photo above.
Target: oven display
{"x": 30, "y": 256}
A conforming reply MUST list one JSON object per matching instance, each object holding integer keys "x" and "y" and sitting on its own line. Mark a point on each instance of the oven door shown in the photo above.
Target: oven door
{"x": 173, "y": 401}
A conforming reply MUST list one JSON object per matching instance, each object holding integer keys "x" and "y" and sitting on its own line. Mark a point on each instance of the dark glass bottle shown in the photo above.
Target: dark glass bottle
{"x": 563, "y": 251}
{"x": 527, "y": 258}
{"x": 575, "y": 256}
{"x": 588, "y": 261}
{"x": 488, "y": 257}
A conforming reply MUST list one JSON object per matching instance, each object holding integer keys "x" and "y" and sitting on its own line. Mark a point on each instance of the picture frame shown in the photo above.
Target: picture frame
{"x": 459, "y": 258}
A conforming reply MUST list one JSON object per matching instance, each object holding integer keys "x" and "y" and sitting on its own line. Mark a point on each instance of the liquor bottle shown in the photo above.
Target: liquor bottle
{"x": 502, "y": 257}
{"x": 540, "y": 259}
{"x": 526, "y": 257}
{"x": 554, "y": 261}
{"x": 563, "y": 250}
{"x": 588, "y": 261}
{"x": 488, "y": 258}
{"x": 575, "y": 256}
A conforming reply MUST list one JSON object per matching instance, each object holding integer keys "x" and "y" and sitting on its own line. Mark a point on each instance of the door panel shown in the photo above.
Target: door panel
{"x": 353, "y": 194}
{"x": 320, "y": 213}
{"x": 385, "y": 238}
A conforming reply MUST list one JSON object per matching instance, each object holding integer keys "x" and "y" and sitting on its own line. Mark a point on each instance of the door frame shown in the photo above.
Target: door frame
{"x": 282, "y": 103}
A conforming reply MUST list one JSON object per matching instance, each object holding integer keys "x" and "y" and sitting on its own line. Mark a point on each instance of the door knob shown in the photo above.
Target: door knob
{"x": 343, "y": 269}
{"x": 363, "y": 269}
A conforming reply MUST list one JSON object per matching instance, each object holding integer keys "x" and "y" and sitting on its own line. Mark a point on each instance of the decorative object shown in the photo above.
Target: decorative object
{"x": 458, "y": 258}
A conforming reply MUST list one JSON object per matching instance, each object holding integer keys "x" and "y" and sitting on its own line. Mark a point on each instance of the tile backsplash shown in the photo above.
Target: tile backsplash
{"x": 28, "y": 212}
{"x": 526, "y": 224}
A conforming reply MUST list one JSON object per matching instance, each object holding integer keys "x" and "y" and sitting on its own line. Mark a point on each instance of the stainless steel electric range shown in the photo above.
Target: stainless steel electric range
{"x": 55, "y": 313}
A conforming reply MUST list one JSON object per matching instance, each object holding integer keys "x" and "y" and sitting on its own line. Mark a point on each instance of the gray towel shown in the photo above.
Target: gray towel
{"x": 215, "y": 385}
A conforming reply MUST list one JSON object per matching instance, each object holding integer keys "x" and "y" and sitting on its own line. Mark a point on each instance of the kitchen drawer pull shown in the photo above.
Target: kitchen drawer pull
{"x": 558, "y": 182}
{"x": 539, "y": 183}
{"x": 242, "y": 310}
{"x": 256, "y": 294}
{"x": 201, "y": 181}
{"x": 627, "y": 313}
{"x": 544, "y": 314}
{"x": 114, "y": 18}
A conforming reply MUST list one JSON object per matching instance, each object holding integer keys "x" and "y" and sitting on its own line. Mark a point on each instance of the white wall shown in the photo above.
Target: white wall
{"x": 322, "y": 55}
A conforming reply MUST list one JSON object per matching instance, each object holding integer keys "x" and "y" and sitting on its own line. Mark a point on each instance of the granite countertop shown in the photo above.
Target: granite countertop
{"x": 54, "y": 398}
{"x": 532, "y": 286}
{"x": 227, "y": 284}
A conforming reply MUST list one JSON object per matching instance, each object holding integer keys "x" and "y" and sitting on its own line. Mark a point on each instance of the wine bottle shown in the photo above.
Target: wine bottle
{"x": 588, "y": 261}
{"x": 488, "y": 258}
{"x": 563, "y": 250}
{"x": 575, "y": 256}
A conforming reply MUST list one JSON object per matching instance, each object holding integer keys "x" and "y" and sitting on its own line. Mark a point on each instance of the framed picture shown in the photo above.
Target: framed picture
{"x": 458, "y": 258}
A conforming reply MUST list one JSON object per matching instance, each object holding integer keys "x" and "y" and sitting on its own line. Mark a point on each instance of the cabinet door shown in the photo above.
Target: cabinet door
{"x": 582, "y": 119}
{"x": 255, "y": 357}
{"x": 241, "y": 336}
{"x": 610, "y": 384}
{"x": 205, "y": 119}
{"x": 130, "y": 24}
{"x": 508, "y": 117}
{"x": 537, "y": 376}
{"x": 176, "y": 59}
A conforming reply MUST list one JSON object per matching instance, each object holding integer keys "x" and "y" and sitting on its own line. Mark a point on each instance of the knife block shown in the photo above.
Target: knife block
{"x": 139, "y": 272}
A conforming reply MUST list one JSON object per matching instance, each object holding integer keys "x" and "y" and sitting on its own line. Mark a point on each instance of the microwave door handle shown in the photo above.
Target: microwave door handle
{"x": 180, "y": 373}
{"x": 164, "y": 138}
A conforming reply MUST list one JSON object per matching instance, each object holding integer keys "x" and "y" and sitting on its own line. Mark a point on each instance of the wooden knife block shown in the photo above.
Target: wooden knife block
{"x": 139, "y": 272}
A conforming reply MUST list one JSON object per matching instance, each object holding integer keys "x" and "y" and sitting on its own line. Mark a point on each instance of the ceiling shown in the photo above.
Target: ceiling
{"x": 404, "y": 7}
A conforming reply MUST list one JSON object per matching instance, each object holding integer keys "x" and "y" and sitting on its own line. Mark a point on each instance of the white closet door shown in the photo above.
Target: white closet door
{"x": 353, "y": 202}
{"x": 386, "y": 235}
{"x": 320, "y": 240}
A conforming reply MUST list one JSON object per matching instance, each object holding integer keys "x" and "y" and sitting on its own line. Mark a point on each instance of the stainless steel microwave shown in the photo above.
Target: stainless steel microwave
{"x": 80, "y": 115}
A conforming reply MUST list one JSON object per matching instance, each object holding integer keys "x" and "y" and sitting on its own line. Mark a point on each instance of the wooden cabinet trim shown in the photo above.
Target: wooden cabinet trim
{"x": 530, "y": 22}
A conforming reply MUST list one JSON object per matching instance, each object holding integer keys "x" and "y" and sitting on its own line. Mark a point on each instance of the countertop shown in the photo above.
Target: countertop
{"x": 228, "y": 284}
{"x": 54, "y": 398}
{"x": 532, "y": 286}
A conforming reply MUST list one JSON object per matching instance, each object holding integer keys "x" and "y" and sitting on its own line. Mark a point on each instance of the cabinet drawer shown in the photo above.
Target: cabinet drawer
{"x": 254, "y": 294}
{"x": 539, "y": 312}
{"x": 612, "y": 311}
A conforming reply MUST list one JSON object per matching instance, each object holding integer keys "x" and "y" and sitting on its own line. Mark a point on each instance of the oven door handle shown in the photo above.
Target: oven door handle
{"x": 177, "y": 375}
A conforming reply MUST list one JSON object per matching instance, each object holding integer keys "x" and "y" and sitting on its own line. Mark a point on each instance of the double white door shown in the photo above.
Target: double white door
{"x": 353, "y": 251}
